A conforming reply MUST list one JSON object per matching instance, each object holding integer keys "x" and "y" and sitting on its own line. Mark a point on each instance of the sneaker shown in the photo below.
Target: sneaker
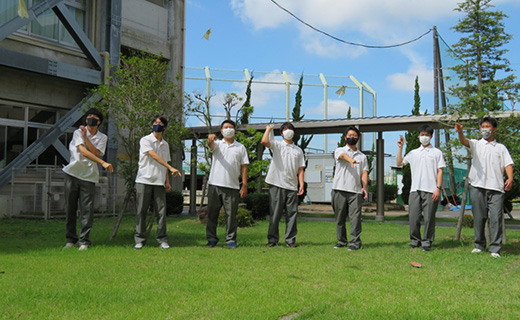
{"x": 292, "y": 245}
{"x": 232, "y": 245}
{"x": 426, "y": 249}
{"x": 495, "y": 254}
{"x": 69, "y": 245}
{"x": 83, "y": 247}
{"x": 272, "y": 244}
{"x": 339, "y": 245}
{"x": 476, "y": 250}
{"x": 412, "y": 246}
{"x": 164, "y": 245}
{"x": 211, "y": 244}
{"x": 353, "y": 248}
{"x": 138, "y": 246}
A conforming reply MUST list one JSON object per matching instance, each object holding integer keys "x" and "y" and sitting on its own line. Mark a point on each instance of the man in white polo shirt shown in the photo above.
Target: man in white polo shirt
{"x": 229, "y": 161}
{"x": 285, "y": 172}
{"x": 152, "y": 182}
{"x": 486, "y": 178}
{"x": 426, "y": 163}
{"x": 348, "y": 189}
{"x": 88, "y": 144}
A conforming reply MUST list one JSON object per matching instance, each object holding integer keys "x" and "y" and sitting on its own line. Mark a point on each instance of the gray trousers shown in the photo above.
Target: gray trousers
{"x": 147, "y": 193}
{"x": 281, "y": 199}
{"x": 487, "y": 204}
{"x": 218, "y": 197}
{"x": 421, "y": 203}
{"x": 347, "y": 202}
{"x": 84, "y": 192}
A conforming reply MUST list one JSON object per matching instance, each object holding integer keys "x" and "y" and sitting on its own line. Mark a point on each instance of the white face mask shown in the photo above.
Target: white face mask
{"x": 228, "y": 132}
{"x": 425, "y": 140}
{"x": 486, "y": 133}
{"x": 288, "y": 134}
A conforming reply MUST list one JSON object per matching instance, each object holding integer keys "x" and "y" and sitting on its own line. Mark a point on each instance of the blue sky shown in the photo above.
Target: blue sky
{"x": 257, "y": 35}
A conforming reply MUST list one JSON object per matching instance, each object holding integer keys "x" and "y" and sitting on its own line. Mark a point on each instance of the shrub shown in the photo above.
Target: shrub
{"x": 390, "y": 192}
{"x": 174, "y": 203}
{"x": 244, "y": 218}
{"x": 258, "y": 203}
{"x": 467, "y": 221}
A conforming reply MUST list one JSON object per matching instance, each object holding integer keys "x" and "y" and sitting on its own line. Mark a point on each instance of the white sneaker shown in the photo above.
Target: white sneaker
{"x": 164, "y": 245}
{"x": 69, "y": 245}
{"x": 476, "y": 250}
{"x": 495, "y": 254}
{"x": 138, "y": 246}
{"x": 83, "y": 247}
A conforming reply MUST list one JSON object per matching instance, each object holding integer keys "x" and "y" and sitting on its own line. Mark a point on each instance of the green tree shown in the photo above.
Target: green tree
{"x": 247, "y": 109}
{"x": 486, "y": 79}
{"x": 342, "y": 142}
{"x": 140, "y": 90}
{"x": 412, "y": 138}
{"x": 297, "y": 116}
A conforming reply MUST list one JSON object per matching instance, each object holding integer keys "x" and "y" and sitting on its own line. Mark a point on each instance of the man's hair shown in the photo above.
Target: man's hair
{"x": 228, "y": 121}
{"x": 286, "y": 125}
{"x": 162, "y": 118}
{"x": 488, "y": 119}
{"x": 426, "y": 128}
{"x": 95, "y": 112}
{"x": 356, "y": 130}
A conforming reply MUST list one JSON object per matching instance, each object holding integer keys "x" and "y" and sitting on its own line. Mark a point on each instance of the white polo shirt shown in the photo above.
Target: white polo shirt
{"x": 347, "y": 178}
{"x": 489, "y": 162}
{"x": 424, "y": 162}
{"x": 225, "y": 164}
{"x": 79, "y": 166}
{"x": 150, "y": 171}
{"x": 287, "y": 159}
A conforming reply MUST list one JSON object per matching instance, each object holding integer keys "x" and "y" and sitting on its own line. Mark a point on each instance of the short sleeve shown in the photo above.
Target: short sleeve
{"x": 301, "y": 161}
{"x": 365, "y": 163}
{"x": 77, "y": 139}
{"x": 406, "y": 159}
{"x": 441, "y": 164}
{"x": 507, "y": 157}
{"x": 338, "y": 152}
{"x": 145, "y": 145}
{"x": 472, "y": 145}
{"x": 245, "y": 158}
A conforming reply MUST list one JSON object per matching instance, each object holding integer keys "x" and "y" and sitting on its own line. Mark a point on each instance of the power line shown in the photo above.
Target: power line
{"x": 348, "y": 42}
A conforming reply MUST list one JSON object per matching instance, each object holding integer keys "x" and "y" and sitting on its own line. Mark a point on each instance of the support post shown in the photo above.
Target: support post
{"x": 193, "y": 178}
{"x": 325, "y": 108}
{"x": 287, "y": 95}
{"x": 380, "y": 183}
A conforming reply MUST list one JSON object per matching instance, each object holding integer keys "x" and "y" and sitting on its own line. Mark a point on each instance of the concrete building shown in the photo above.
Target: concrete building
{"x": 48, "y": 62}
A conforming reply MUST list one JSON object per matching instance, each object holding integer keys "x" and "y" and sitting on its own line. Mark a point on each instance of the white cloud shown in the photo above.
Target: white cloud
{"x": 335, "y": 109}
{"x": 406, "y": 81}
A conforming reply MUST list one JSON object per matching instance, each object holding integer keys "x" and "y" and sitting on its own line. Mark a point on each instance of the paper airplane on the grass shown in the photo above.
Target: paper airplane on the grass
{"x": 415, "y": 264}
{"x": 206, "y": 35}
{"x": 22, "y": 9}
{"x": 341, "y": 91}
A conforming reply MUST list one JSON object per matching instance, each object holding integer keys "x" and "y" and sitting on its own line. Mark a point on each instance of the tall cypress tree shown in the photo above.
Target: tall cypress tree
{"x": 342, "y": 142}
{"x": 297, "y": 116}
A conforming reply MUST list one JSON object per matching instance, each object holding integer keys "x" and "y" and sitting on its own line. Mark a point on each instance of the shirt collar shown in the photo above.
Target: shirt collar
{"x": 427, "y": 148}
{"x": 484, "y": 141}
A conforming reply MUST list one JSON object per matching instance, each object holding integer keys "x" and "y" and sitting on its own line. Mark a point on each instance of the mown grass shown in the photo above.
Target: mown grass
{"x": 39, "y": 280}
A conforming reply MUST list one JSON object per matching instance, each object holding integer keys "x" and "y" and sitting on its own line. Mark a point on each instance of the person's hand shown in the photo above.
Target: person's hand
{"x": 458, "y": 127}
{"x": 436, "y": 195}
{"x": 212, "y": 138}
{"x": 365, "y": 193}
{"x": 353, "y": 162}
{"x": 175, "y": 172}
{"x": 400, "y": 143}
{"x": 269, "y": 127}
{"x": 243, "y": 191}
{"x": 509, "y": 184}
{"x": 300, "y": 191}
{"x": 168, "y": 187}
{"x": 108, "y": 167}
{"x": 83, "y": 131}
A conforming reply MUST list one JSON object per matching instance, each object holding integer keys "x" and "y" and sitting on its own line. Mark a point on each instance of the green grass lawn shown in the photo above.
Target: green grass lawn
{"x": 39, "y": 280}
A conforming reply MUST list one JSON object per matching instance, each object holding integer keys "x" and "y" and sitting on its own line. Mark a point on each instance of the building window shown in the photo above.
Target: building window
{"x": 47, "y": 25}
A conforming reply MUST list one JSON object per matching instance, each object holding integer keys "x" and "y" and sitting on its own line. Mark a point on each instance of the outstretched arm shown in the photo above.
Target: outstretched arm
{"x": 462, "y": 138}
{"x": 89, "y": 155}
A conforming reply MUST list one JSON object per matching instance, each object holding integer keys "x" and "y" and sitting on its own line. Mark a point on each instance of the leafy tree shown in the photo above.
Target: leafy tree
{"x": 342, "y": 142}
{"x": 297, "y": 116}
{"x": 140, "y": 90}
{"x": 486, "y": 80}
{"x": 412, "y": 138}
{"x": 247, "y": 109}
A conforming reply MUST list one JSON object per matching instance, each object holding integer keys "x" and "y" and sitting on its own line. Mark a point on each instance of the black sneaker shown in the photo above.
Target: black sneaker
{"x": 339, "y": 245}
{"x": 353, "y": 248}
{"x": 411, "y": 246}
{"x": 292, "y": 245}
{"x": 272, "y": 244}
{"x": 426, "y": 249}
